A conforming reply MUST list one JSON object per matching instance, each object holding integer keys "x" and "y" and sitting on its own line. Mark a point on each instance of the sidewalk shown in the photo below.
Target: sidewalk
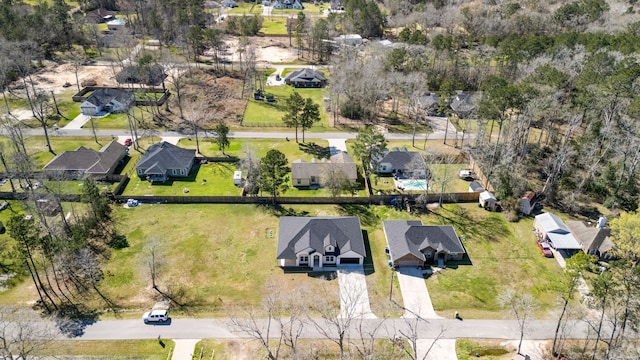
{"x": 184, "y": 349}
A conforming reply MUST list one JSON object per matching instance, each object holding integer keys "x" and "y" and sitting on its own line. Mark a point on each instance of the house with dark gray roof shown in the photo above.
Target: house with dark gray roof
{"x": 107, "y": 100}
{"x": 412, "y": 244}
{"x": 319, "y": 242}
{"x": 464, "y": 104}
{"x": 309, "y": 174}
{"x": 429, "y": 103}
{"x": 403, "y": 164}
{"x": 163, "y": 160}
{"x": 306, "y": 78}
{"x": 595, "y": 240}
{"x": 84, "y": 162}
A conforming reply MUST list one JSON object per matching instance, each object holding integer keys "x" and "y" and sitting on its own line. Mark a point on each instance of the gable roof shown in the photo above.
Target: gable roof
{"x": 551, "y": 223}
{"x": 301, "y": 169}
{"x": 401, "y": 159}
{"x": 464, "y": 102}
{"x": 592, "y": 238}
{"x": 104, "y": 96}
{"x": 428, "y": 101}
{"x": 306, "y": 75}
{"x": 164, "y": 156}
{"x": 297, "y": 233}
{"x": 88, "y": 160}
{"x": 406, "y": 237}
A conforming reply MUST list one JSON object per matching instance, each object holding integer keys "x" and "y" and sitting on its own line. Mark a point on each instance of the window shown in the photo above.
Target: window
{"x": 329, "y": 259}
{"x": 304, "y": 259}
{"x": 299, "y": 181}
{"x": 329, "y": 248}
{"x": 313, "y": 179}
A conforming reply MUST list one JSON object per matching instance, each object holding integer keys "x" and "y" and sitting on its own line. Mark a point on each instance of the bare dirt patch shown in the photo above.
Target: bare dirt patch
{"x": 267, "y": 50}
{"x": 54, "y": 77}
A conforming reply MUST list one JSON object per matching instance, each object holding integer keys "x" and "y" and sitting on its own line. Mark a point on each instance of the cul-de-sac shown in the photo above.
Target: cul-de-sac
{"x": 297, "y": 179}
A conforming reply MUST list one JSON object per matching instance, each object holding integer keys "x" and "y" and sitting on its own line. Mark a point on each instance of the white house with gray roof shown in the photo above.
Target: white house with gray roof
{"x": 403, "y": 164}
{"x": 551, "y": 228}
{"x": 412, "y": 244}
{"x": 107, "y": 100}
{"x": 319, "y": 242}
{"x": 163, "y": 160}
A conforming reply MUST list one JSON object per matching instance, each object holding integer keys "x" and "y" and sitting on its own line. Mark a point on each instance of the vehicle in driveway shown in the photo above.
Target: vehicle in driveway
{"x": 4, "y": 205}
{"x": 127, "y": 142}
{"x": 545, "y": 248}
{"x": 155, "y": 316}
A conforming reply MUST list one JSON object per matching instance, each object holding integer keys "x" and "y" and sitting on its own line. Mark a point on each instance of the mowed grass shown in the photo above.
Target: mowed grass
{"x": 274, "y": 26}
{"x": 270, "y": 114}
{"x": 120, "y": 349}
{"x": 501, "y": 255}
{"x": 214, "y": 259}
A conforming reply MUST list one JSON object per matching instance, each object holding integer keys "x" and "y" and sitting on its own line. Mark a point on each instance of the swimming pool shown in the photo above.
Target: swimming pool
{"x": 412, "y": 185}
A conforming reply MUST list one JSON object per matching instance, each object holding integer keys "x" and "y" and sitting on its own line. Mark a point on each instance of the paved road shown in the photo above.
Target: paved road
{"x": 428, "y": 329}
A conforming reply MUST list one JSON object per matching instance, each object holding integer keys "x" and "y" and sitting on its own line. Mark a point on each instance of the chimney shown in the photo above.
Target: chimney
{"x": 602, "y": 221}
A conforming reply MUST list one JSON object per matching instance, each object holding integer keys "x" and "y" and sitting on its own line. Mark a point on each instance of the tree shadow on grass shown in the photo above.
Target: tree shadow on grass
{"x": 278, "y": 210}
{"x": 316, "y": 150}
{"x": 365, "y": 212}
{"x": 482, "y": 229}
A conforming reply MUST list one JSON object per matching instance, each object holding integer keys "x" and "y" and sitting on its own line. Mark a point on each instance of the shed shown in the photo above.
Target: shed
{"x": 475, "y": 186}
{"x": 487, "y": 200}
{"x": 526, "y": 203}
{"x": 237, "y": 178}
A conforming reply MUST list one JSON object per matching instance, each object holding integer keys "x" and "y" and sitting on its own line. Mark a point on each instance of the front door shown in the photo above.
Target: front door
{"x": 316, "y": 261}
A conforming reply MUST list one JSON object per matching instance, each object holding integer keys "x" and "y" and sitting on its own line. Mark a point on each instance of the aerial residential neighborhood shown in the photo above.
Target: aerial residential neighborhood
{"x": 295, "y": 179}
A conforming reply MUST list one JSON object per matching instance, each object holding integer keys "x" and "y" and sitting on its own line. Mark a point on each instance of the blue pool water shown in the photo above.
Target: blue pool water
{"x": 413, "y": 185}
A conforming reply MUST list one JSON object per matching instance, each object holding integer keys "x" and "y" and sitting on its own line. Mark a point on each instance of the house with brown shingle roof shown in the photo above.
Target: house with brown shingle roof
{"x": 595, "y": 240}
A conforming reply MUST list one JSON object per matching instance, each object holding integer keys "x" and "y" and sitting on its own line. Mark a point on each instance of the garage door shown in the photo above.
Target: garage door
{"x": 349, "y": 260}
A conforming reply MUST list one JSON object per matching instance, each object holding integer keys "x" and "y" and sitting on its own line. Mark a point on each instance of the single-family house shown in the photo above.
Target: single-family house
{"x": 595, "y": 240}
{"x": 475, "y": 186}
{"x": 464, "y": 104}
{"x": 84, "y": 162}
{"x": 527, "y": 202}
{"x": 410, "y": 243}
{"x": 429, "y": 103}
{"x": 336, "y": 5}
{"x": 320, "y": 242}
{"x": 487, "y": 200}
{"x": 287, "y": 4}
{"x": 306, "y": 78}
{"x": 403, "y": 164}
{"x": 552, "y": 229}
{"x": 309, "y": 174}
{"x": 107, "y": 100}
{"x": 348, "y": 40}
{"x": 228, "y": 3}
{"x": 163, "y": 160}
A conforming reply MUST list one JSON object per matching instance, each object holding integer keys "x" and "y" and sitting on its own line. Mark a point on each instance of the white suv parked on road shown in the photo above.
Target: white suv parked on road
{"x": 155, "y": 316}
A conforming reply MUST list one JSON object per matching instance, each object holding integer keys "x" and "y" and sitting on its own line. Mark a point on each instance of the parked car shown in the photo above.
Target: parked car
{"x": 546, "y": 250}
{"x": 4, "y": 205}
{"x": 127, "y": 142}
{"x": 155, "y": 316}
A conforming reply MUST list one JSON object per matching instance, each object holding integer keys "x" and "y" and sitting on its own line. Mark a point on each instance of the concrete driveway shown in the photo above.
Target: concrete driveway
{"x": 443, "y": 349}
{"x": 415, "y": 295}
{"x": 354, "y": 297}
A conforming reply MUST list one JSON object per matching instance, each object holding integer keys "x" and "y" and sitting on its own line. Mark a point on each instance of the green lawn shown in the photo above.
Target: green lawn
{"x": 245, "y": 8}
{"x": 216, "y": 179}
{"x": 270, "y": 114}
{"x": 120, "y": 349}
{"x": 274, "y": 26}
{"x": 37, "y": 146}
{"x": 214, "y": 259}
{"x": 501, "y": 255}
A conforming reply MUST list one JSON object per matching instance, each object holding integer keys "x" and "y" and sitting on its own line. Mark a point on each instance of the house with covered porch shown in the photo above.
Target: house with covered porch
{"x": 410, "y": 243}
{"x": 319, "y": 242}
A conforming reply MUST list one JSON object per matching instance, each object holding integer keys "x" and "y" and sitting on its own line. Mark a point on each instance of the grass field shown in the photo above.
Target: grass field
{"x": 274, "y": 26}
{"x": 501, "y": 255}
{"x": 245, "y": 8}
{"x": 270, "y": 114}
{"x": 121, "y": 349}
